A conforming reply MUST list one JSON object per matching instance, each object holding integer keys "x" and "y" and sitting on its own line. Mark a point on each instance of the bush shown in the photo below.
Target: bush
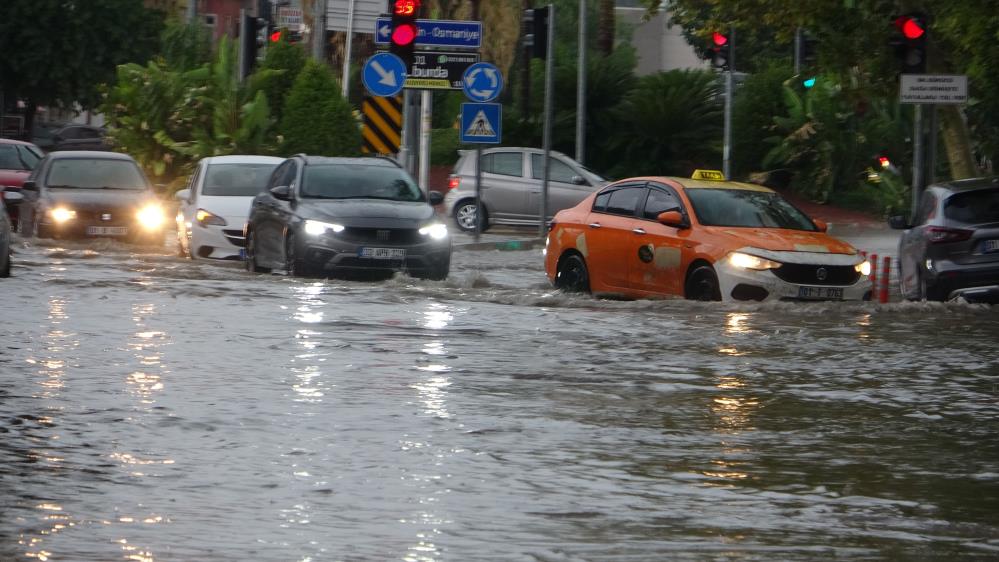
{"x": 317, "y": 120}
{"x": 443, "y": 147}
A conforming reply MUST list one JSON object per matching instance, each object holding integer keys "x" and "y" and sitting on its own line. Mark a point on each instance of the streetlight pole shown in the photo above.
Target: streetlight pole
{"x": 581, "y": 87}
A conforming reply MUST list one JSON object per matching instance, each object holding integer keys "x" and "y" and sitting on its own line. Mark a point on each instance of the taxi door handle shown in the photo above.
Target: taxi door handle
{"x": 594, "y": 225}
{"x": 638, "y": 230}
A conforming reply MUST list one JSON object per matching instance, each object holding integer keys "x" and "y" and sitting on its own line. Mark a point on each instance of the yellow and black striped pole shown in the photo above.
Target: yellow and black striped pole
{"x": 382, "y": 130}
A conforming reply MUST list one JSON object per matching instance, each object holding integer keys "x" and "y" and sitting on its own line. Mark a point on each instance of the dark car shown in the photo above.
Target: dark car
{"x": 5, "y": 230}
{"x": 952, "y": 249}
{"x": 79, "y": 137}
{"x": 344, "y": 217}
{"x": 79, "y": 194}
{"x": 17, "y": 159}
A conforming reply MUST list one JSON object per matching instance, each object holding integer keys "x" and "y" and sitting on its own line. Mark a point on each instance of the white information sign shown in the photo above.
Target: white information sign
{"x": 933, "y": 88}
{"x": 365, "y": 13}
{"x": 290, "y": 18}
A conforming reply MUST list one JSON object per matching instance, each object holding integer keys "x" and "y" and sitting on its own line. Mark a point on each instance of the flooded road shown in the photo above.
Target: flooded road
{"x": 157, "y": 409}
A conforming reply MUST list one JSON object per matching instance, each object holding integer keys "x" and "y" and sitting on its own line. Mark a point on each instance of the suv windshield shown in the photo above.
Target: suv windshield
{"x": 973, "y": 207}
{"x": 237, "y": 179}
{"x": 359, "y": 181}
{"x": 95, "y": 173}
{"x": 743, "y": 207}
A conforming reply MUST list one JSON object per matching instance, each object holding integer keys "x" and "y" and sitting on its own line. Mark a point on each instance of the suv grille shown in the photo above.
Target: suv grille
{"x": 802, "y": 274}
{"x": 372, "y": 236}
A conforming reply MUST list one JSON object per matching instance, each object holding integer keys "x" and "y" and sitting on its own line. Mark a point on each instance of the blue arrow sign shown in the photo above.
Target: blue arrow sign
{"x": 482, "y": 82}
{"x": 481, "y": 123}
{"x": 384, "y": 74}
{"x": 436, "y": 33}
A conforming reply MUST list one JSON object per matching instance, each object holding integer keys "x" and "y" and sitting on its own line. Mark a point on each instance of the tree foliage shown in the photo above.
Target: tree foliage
{"x": 317, "y": 120}
{"x": 286, "y": 60}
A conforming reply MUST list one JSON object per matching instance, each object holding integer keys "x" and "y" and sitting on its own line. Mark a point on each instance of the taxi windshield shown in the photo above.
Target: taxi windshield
{"x": 746, "y": 208}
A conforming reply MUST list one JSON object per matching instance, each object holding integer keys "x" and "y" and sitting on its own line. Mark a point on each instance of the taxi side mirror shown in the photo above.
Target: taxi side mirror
{"x": 673, "y": 218}
{"x": 821, "y": 225}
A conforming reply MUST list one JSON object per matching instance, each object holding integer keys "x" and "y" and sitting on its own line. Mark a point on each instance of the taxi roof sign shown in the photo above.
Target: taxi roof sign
{"x": 709, "y": 175}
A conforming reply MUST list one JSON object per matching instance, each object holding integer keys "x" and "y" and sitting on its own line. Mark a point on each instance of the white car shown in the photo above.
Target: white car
{"x": 216, "y": 203}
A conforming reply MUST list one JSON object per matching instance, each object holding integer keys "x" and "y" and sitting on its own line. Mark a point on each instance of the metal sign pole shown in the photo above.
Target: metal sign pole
{"x": 241, "y": 62}
{"x": 426, "y": 101}
{"x": 727, "y": 143}
{"x": 581, "y": 87}
{"x": 405, "y": 138}
{"x": 478, "y": 192}
{"x": 549, "y": 101}
{"x": 345, "y": 80}
{"x": 917, "y": 157}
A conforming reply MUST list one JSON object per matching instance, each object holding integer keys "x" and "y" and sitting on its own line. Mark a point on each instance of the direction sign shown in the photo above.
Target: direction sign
{"x": 450, "y": 34}
{"x": 933, "y": 88}
{"x": 438, "y": 70}
{"x": 384, "y": 74}
{"x": 482, "y": 82}
{"x": 481, "y": 123}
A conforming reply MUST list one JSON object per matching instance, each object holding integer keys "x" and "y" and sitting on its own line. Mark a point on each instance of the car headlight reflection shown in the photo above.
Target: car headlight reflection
{"x": 205, "y": 218}
{"x": 151, "y": 217}
{"x": 864, "y": 268}
{"x": 62, "y": 214}
{"x": 746, "y": 261}
{"x": 437, "y": 231}
{"x": 318, "y": 228}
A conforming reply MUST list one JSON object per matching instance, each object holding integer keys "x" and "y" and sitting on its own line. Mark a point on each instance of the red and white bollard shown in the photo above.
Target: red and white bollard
{"x": 885, "y": 276}
{"x": 874, "y": 276}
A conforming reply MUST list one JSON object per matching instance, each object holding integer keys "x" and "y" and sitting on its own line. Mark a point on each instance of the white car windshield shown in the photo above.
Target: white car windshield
{"x": 236, "y": 180}
{"x": 359, "y": 181}
{"x": 747, "y": 208}
{"x": 95, "y": 173}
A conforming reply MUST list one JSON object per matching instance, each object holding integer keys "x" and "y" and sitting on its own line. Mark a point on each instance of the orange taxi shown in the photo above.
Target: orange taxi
{"x": 702, "y": 238}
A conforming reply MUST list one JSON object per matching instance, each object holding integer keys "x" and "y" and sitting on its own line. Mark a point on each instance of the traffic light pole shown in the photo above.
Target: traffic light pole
{"x": 426, "y": 101}
{"x": 727, "y": 142}
{"x": 549, "y": 101}
{"x": 917, "y": 157}
{"x": 581, "y": 87}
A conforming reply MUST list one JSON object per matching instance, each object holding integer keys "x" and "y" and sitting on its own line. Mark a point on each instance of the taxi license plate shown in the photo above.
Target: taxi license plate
{"x": 829, "y": 293}
{"x": 107, "y": 230}
{"x": 992, "y": 245}
{"x": 383, "y": 253}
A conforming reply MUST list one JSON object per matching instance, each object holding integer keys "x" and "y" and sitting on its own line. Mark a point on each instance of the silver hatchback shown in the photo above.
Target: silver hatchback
{"x": 952, "y": 249}
{"x": 511, "y": 186}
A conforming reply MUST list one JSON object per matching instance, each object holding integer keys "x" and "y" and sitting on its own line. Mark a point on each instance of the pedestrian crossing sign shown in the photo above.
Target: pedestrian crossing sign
{"x": 481, "y": 123}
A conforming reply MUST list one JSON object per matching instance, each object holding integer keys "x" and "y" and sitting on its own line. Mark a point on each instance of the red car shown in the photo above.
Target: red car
{"x": 17, "y": 159}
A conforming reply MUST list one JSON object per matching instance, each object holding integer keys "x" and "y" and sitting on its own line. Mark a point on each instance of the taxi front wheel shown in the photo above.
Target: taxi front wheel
{"x": 702, "y": 285}
{"x": 572, "y": 276}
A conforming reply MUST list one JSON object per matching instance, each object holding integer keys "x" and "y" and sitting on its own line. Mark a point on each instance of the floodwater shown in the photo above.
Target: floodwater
{"x": 157, "y": 409}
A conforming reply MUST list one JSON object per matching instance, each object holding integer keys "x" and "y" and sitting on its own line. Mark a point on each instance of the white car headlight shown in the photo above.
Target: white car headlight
{"x": 62, "y": 214}
{"x": 864, "y": 268}
{"x": 747, "y": 261}
{"x": 318, "y": 228}
{"x": 205, "y": 218}
{"x": 437, "y": 231}
{"x": 151, "y": 216}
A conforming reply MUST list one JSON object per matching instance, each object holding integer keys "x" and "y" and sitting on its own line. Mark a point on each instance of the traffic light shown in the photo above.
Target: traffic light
{"x": 262, "y": 31}
{"x": 808, "y": 56}
{"x": 719, "y": 51}
{"x": 247, "y": 45}
{"x": 910, "y": 42}
{"x": 404, "y": 30}
{"x": 536, "y": 31}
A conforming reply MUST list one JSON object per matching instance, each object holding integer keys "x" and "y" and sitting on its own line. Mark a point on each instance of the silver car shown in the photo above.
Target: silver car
{"x": 952, "y": 249}
{"x": 511, "y": 186}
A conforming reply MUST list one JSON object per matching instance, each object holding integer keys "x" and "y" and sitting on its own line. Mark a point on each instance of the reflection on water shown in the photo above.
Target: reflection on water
{"x": 162, "y": 409}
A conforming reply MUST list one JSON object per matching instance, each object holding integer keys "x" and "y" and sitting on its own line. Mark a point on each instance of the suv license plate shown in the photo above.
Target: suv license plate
{"x": 992, "y": 245}
{"x": 383, "y": 253}
{"x": 107, "y": 230}
{"x": 829, "y": 293}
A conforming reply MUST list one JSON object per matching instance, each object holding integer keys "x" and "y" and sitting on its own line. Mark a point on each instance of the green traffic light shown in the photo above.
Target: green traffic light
{"x": 809, "y": 82}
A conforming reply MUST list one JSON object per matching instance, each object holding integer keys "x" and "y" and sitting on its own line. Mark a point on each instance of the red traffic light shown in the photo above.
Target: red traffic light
{"x": 276, "y": 36}
{"x": 406, "y": 7}
{"x": 719, "y": 39}
{"x": 911, "y": 27}
{"x": 404, "y": 34}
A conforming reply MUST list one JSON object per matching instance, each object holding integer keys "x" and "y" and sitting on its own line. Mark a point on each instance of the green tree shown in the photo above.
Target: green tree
{"x": 286, "y": 60}
{"x": 60, "y": 52}
{"x": 317, "y": 120}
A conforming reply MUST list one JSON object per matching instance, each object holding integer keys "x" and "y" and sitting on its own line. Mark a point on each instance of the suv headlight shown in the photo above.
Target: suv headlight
{"x": 747, "y": 261}
{"x": 151, "y": 216}
{"x": 437, "y": 231}
{"x": 62, "y": 214}
{"x": 318, "y": 228}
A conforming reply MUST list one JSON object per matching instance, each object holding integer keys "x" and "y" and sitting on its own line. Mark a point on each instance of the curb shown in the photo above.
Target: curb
{"x": 502, "y": 245}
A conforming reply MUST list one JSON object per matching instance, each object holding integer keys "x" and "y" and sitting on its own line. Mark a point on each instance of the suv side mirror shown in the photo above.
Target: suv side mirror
{"x": 436, "y": 198}
{"x": 282, "y": 192}
{"x": 899, "y": 222}
{"x": 579, "y": 180}
{"x": 29, "y": 185}
{"x": 673, "y": 218}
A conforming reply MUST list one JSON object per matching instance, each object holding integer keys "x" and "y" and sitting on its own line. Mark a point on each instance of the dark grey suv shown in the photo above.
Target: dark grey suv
{"x": 952, "y": 249}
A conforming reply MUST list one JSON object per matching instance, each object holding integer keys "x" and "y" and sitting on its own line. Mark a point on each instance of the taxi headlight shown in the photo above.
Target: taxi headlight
{"x": 151, "y": 216}
{"x": 437, "y": 231}
{"x": 864, "y": 268}
{"x": 318, "y": 228}
{"x": 747, "y": 261}
{"x": 62, "y": 214}
{"x": 205, "y": 218}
